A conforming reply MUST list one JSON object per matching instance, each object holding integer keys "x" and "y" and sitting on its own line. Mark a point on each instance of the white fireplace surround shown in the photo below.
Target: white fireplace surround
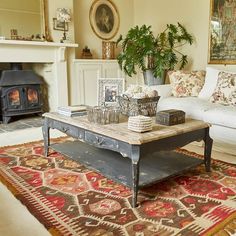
{"x": 50, "y": 61}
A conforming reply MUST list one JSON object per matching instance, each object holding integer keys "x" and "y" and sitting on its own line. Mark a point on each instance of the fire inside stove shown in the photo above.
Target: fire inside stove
{"x": 32, "y": 96}
{"x": 14, "y": 97}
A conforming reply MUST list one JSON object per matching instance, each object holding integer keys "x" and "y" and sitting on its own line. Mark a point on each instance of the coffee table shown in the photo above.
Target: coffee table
{"x": 152, "y": 151}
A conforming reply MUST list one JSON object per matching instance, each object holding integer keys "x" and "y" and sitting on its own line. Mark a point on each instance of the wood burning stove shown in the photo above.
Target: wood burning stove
{"x": 20, "y": 93}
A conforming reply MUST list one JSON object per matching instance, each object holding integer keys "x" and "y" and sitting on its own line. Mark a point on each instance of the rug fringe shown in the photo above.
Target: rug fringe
{"x": 221, "y": 228}
{"x": 10, "y": 187}
{"x": 54, "y": 232}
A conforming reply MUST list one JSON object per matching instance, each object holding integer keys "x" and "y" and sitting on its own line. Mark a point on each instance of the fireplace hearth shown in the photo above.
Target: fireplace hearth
{"x": 20, "y": 93}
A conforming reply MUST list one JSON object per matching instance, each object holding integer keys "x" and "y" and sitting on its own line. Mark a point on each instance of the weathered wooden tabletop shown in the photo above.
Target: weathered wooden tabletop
{"x": 120, "y": 131}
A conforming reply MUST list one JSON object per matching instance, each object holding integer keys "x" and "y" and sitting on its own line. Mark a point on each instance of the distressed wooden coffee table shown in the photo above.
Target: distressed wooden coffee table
{"x": 149, "y": 157}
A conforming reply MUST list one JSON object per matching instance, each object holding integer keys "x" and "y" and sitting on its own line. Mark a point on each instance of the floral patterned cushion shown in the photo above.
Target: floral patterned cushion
{"x": 225, "y": 91}
{"x": 186, "y": 83}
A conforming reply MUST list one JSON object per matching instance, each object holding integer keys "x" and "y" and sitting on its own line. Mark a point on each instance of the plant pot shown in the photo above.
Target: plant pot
{"x": 150, "y": 80}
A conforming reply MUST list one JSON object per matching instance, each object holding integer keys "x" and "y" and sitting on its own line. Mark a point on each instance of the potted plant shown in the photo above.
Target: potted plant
{"x": 153, "y": 55}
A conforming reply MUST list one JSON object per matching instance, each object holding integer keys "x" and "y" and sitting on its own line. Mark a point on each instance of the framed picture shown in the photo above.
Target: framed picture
{"x": 222, "y": 35}
{"x": 104, "y": 19}
{"x": 58, "y": 25}
{"x": 108, "y": 89}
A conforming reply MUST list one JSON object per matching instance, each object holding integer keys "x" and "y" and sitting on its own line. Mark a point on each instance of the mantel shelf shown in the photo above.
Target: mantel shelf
{"x": 37, "y": 43}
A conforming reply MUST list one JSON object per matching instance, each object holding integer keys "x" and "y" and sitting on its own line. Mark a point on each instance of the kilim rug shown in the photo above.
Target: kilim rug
{"x": 70, "y": 199}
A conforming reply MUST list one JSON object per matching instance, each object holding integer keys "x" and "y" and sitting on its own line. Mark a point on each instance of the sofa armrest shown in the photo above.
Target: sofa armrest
{"x": 163, "y": 90}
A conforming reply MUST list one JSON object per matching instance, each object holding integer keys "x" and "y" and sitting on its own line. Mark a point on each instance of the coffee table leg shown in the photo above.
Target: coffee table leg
{"x": 207, "y": 150}
{"x": 46, "y": 137}
{"x": 135, "y": 156}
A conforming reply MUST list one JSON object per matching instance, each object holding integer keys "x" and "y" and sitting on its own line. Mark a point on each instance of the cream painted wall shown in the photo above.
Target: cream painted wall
{"x": 84, "y": 34}
{"x": 194, "y": 14}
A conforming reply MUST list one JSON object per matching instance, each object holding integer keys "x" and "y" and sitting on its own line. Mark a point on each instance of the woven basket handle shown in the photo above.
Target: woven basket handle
{"x": 126, "y": 97}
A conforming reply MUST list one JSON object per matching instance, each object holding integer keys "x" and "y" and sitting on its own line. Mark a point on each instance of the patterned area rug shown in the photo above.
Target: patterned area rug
{"x": 70, "y": 199}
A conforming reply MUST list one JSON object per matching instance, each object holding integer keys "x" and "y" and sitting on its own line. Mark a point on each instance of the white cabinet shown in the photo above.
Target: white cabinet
{"x": 86, "y": 74}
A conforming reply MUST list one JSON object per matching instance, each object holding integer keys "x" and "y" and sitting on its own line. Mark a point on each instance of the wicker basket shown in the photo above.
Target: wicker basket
{"x": 138, "y": 106}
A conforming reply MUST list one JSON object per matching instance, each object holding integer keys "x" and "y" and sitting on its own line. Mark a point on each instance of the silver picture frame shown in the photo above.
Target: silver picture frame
{"x": 108, "y": 90}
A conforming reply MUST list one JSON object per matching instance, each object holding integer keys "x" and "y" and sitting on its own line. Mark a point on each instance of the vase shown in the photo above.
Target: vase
{"x": 108, "y": 50}
{"x": 150, "y": 80}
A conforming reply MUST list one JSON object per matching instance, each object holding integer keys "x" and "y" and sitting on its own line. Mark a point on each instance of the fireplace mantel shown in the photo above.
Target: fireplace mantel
{"x": 42, "y": 43}
{"x": 42, "y": 52}
{"x": 32, "y": 51}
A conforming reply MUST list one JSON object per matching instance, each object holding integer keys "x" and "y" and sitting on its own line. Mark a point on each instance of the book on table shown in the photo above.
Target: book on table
{"x": 75, "y": 110}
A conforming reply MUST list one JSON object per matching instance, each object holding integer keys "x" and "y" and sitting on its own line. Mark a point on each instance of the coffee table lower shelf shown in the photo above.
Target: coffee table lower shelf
{"x": 153, "y": 168}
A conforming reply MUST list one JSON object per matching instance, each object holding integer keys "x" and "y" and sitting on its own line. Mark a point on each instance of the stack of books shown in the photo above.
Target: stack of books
{"x": 75, "y": 110}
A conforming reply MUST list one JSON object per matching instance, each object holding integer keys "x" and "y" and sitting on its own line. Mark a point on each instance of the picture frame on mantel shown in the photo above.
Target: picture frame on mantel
{"x": 57, "y": 25}
{"x": 108, "y": 89}
{"x": 104, "y": 19}
{"x": 222, "y": 32}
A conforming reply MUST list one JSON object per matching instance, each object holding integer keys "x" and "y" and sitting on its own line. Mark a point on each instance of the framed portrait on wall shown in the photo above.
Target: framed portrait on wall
{"x": 109, "y": 89}
{"x": 222, "y": 35}
{"x": 104, "y": 19}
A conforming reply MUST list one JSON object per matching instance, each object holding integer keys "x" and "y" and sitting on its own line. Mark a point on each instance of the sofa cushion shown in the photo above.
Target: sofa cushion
{"x": 221, "y": 115}
{"x": 210, "y": 83}
{"x": 193, "y": 107}
{"x": 186, "y": 83}
{"x": 225, "y": 136}
{"x": 225, "y": 91}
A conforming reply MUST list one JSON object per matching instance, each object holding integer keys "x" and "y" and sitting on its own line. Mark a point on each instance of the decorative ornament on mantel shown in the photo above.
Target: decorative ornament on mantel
{"x": 108, "y": 50}
{"x": 64, "y": 16}
{"x": 86, "y": 53}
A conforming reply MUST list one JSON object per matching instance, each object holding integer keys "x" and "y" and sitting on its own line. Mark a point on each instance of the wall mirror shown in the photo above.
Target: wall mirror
{"x": 23, "y": 19}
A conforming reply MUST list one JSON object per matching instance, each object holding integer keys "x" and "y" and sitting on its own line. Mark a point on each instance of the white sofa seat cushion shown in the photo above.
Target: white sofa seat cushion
{"x": 222, "y": 134}
{"x": 193, "y": 107}
{"x": 221, "y": 115}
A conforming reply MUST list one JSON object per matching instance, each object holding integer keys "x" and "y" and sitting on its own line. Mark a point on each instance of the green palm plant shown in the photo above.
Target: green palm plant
{"x": 140, "y": 48}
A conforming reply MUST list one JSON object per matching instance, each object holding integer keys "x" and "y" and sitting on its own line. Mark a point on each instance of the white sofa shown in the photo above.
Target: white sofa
{"x": 222, "y": 118}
